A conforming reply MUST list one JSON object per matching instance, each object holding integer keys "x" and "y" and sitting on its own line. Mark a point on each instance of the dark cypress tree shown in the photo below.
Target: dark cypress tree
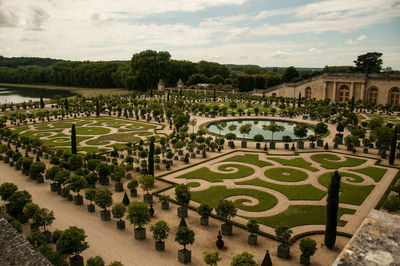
{"x": 66, "y": 106}
{"x": 392, "y": 154}
{"x": 267, "y": 260}
{"x": 168, "y": 96}
{"x": 126, "y": 200}
{"x": 73, "y": 140}
{"x": 41, "y": 102}
{"x": 215, "y": 95}
{"x": 332, "y": 210}
{"x": 150, "y": 158}
{"x": 97, "y": 108}
{"x": 299, "y": 101}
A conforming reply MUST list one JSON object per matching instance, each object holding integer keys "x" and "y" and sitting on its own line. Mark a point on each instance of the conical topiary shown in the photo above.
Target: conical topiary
{"x": 267, "y": 260}
{"x": 182, "y": 223}
{"x": 126, "y": 200}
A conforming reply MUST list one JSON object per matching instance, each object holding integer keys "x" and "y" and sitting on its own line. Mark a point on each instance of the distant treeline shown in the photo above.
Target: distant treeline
{"x": 145, "y": 69}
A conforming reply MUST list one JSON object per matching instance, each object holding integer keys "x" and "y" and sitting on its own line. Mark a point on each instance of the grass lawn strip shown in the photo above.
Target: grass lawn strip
{"x": 327, "y": 161}
{"x": 213, "y": 195}
{"x": 298, "y": 215}
{"x": 248, "y": 158}
{"x": 292, "y": 192}
{"x": 350, "y": 194}
{"x": 285, "y": 174}
{"x": 206, "y": 174}
{"x": 296, "y": 162}
{"x": 374, "y": 172}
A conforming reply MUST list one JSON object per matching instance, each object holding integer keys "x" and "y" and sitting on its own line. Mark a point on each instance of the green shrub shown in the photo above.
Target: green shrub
{"x": 392, "y": 204}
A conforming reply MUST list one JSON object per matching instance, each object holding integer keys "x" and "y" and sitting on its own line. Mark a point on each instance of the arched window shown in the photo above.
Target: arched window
{"x": 372, "y": 95}
{"x": 344, "y": 93}
{"x": 394, "y": 96}
{"x": 307, "y": 93}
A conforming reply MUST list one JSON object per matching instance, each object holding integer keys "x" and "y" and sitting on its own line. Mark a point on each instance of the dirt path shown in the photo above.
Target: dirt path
{"x": 105, "y": 240}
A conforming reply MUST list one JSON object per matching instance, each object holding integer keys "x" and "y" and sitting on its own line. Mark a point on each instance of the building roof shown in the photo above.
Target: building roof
{"x": 15, "y": 250}
{"x": 376, "y": 242}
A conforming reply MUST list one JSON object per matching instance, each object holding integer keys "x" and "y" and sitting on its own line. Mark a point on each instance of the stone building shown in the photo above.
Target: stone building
{"x": 161, "y": 85}
{"x": 340, "y": 87}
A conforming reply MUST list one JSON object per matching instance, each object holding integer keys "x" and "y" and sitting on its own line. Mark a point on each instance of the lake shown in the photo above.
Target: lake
{"x": 256, "y": 128}
{"x": 20, "y": 95}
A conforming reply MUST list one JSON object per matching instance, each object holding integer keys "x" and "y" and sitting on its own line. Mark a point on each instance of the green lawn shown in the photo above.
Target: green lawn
{"x": 328, "y": 161}
{"x": 296, "y": 162}
{"x": 206, "y": 174}
{"x": 285, "y": 174}
{"x": 297, "y": 215}
{"x": 374, "y": 172}
{"x": 213, "y": 195}
{"x": 292, "y": 192}
{"x": 350, "y": 194}
{"x": 248, "y": 158}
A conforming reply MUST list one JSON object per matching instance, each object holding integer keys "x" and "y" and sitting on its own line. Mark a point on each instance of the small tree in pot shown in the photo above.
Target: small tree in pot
{"x": 90, "y": 195}
{"x": 104, "y": 199}
{"x": 76, "y": 183}
{"x": 36, "y": 171}
{"x": 287, "y": 139}
{"x": 160, "y": 233}
{"x": 118, "y": 211}
{"x": 50, "y": 175}
{"x": 147, "y": 183}
{"x": 44, "y": 218}
{"x": 253, "y": 228}
{"x": 204, "y": 211}
{"x": 308, "y": 248}
{"x": 225, "y": 209}
{"x": 103, "y": 170}
{"x": 132, "y": 186}
{"x": 72, "y": 242}
{"x": 184, "y": 236}
{"x": 139, "y": 215}
{"x": 164, "y": 199}
{"x": 182, "y": 196}
{"x": 119, "y": 173}
{"x": 283, "y": 234}
{"x": 258, "y": 138}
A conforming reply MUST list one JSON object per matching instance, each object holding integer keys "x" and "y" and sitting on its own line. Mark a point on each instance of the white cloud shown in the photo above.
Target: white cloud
{"x": 357, "y": 40}
{"x": 314, "y": 50}
{"x": 362, "y": 38}
{"x": 279, "y": 54}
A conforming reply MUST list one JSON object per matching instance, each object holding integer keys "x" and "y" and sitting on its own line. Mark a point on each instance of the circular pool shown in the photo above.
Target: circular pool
{"x": 233, "y": 126}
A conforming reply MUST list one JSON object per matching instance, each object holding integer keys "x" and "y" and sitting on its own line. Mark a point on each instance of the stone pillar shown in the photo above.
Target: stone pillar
{"x": 351, "y": 90}
{"x": 324, "y": 91}
{"x": 334, "y": 92}
{"x": 363, "y": 92}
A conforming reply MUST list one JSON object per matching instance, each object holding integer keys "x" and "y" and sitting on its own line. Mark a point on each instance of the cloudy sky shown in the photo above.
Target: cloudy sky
{"x": 303, "y": 33}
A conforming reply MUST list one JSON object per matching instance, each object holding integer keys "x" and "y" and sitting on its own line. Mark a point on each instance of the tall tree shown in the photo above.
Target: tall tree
{"x": 66, "y": 105}
{"x": 41, "y": 102}
{"x": 150, "y": 158}
{"x": 290, "y": 74}
{"x": 97, "y": 108}
{"x": 393, "y": 147}
{"x": 332, "y": 210}
{"x": 73, "y": 140}
{"x": 299, "y": 101}
{"x": 369, "y": 63}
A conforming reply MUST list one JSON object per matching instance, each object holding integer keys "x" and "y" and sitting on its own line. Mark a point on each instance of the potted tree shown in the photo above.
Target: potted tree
{"x": 300, "y": 130}
{"x": 103, "y": 170}
{"x": 44, "y": 218}
{"x": 160, "y": 233}
{"x": 72, "y": 242}
{"x": 312, "y": 138}
{"x": 204, "y": 211}
{"x": 320, "y": 129}
{"x": 273, "y": 127}
{"x": 308, "y": 248}
{"x": 287, "y": 139}
{"x": 184, "y": 236}
{"x": 76, "y": 183}
{"x": 147, "y": 183}
{"x": 253, "y": 228}
{"x": 119, "y": 173}
{"x": 132, "y": 186}
{"x": 164, "y": 199}
{"x": 36, "y": 171}
{"x": 139, "y": 215}
{"x": 258, "y": 138}
{"x": 90, "y": 195}
{"x": 104, "y": 199}
{"x": 225, "y": 209}
{"x": 118, "y": 211}
{"x": 231, "y": 137}
{"x": 50, "y": 175}
{"x": 366, "y": 142}
{"x": 245, "y": 129}
{"x": 283, "y": 234}
{"x": 182, "y": 196}
{"x": 211, "y": 258}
